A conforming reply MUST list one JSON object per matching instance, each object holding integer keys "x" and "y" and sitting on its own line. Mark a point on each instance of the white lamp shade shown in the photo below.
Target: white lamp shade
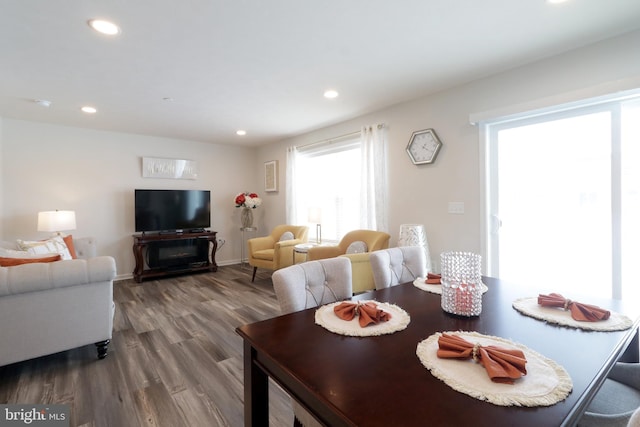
{"x": 315, "y": 215}
{"x": 55, "y": 221}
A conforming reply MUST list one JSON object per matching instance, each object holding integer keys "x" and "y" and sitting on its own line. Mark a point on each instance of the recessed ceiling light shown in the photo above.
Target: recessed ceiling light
{"x": 241, "y": 132}
{"x": 330, "y": 94}
{"x": 43, "y": 102}
{"x": 104, "y": 27}
{"x": 89, "y": 110}
{"x": 556, "y": 1}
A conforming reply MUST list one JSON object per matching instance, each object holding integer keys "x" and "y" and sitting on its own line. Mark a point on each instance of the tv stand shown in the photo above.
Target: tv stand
{"x": 164, "y": 254}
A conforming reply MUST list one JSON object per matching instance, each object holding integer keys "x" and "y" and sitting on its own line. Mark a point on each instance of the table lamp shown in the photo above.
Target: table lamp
{"x": 414, "y": 235}
{"x": 315, "y": 217}
{"x": 56, "y": 221}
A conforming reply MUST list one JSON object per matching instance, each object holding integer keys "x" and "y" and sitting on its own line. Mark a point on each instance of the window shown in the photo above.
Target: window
{"x": 344, "y": 180}
{"x": 563, "y": 198}
{"x": 328, "y": 182}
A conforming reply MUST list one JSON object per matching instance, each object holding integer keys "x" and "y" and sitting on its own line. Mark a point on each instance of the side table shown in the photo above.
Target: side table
{"x": 243, "y": 246}
{"x": 302, "y": 248}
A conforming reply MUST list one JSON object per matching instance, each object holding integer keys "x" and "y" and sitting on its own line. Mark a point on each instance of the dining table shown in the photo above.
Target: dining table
{"x": 380, "y": 381}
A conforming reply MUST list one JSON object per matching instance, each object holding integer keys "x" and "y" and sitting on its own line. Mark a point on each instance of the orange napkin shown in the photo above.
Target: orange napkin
{"x": 580, "y": 312}
{"x": 502, "y": 364}
{"x": 367, "y": 312}
{"x": 432, "y": 279}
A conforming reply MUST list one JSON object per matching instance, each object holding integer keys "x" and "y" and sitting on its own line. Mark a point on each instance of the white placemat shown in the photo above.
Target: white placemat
{"x": 326, "y": 318}
{"x": 529, "y": 307}
{"x": 546, "y": 382}
{"x": 436, "y": 289}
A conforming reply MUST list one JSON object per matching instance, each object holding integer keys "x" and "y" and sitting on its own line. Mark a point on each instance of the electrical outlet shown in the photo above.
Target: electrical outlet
{"x": 456, "y": 208}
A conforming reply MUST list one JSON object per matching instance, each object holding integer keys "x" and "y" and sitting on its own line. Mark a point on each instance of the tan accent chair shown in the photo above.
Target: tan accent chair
{"x": 270, "y": 252}
{"x": 361, "y": 268}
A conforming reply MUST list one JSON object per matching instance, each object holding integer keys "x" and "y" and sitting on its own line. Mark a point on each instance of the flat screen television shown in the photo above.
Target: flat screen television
{"x": 172, "y": 210}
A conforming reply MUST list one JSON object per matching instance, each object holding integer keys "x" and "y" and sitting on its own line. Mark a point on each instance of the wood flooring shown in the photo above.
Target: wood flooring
{"x": 174, "y": 359}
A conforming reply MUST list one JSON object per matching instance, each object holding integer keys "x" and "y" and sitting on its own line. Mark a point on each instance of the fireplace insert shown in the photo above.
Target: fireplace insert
{"x": 177, "y": 253}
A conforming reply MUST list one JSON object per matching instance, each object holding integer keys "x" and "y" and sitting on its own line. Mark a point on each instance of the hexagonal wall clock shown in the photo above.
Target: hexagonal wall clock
{"x": 423, "y": 146}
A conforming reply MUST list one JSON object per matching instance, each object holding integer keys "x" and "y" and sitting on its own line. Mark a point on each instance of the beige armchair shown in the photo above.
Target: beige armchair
{"x": 275, "y": 251}
{"x": 362, "y": 274}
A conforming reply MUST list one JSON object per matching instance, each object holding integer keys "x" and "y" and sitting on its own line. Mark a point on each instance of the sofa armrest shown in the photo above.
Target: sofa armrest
{"x": 286, "y": 243}
{"x": 283, "y": 253}
{"x": 324, "y": 252}
{"x": 260, "y": 243}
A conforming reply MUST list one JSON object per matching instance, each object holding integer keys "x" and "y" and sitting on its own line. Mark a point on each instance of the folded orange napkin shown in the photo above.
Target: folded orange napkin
{"x": 368, "y": 312}
{"x": 502, "y": 364}
{"x": 432, "y": 279}
{"x": 580, "y": 312}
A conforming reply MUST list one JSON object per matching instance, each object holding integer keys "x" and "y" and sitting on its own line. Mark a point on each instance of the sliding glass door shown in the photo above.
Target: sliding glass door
{"x": 563, "y": 199}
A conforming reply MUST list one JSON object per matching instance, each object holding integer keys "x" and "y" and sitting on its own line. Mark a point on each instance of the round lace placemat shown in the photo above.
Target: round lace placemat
{"x": 530, "y": 307}
{"x": 436, "y": 289}
{"x": 326, "y": 318}
{"x": 546, "y": 382}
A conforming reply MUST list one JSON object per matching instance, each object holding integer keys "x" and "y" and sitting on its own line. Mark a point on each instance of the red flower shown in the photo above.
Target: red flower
{"x": 248, "y": 200}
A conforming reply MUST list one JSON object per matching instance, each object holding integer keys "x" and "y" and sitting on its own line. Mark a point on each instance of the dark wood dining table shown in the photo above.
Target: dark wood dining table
{"x": 379, "y": 380}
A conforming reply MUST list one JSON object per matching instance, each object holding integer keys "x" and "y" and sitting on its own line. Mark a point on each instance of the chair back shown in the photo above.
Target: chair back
{"x": 312, "y": 284}
{"x": 398, "y": 265}
{"x": 298, "y": 231}
{"x": 375, "y": 240}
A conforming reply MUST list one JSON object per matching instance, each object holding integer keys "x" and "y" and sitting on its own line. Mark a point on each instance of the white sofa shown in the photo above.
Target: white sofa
{"x": 46, "y": 308}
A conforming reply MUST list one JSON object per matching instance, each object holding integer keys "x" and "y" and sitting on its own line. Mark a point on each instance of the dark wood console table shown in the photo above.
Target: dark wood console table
{"x": 144, "y": 241}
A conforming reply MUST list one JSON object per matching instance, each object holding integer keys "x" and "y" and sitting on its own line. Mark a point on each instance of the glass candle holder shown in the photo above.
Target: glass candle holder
{"x": 461, "y": 283}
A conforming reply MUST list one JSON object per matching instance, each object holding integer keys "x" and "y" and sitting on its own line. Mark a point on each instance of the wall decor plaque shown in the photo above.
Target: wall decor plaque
{"x": 153, "y": 167}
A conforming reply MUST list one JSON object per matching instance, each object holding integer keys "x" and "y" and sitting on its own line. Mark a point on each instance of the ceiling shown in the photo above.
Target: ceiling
{"x": 202, "y": 69}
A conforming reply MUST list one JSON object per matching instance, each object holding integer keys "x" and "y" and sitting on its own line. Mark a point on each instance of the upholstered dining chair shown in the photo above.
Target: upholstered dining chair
{"x": 397, "y": 265}
{"x": 275, "y": 251}
{"x": 355, "y": 245}
{"x": 617, "y": 399}
{"x": 311, "y": 284}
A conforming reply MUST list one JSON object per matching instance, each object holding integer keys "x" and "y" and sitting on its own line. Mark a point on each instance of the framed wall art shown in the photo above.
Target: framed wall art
{"x": 271, "y": 175}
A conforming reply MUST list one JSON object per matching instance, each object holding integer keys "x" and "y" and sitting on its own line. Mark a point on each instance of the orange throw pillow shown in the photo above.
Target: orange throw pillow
{"x": 10, "y": 262}
{"x": 68, "y": 240}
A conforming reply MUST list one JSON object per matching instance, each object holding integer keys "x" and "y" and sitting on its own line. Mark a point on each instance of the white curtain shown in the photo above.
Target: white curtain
{"x": 291, "y": 199}
{"x": 374, "y": 181}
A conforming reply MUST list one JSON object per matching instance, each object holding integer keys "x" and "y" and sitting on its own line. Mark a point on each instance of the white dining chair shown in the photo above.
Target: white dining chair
{"x": 311, "y": 284}
{"x": 397, "y": 265}
{"x": 617, "y": 399}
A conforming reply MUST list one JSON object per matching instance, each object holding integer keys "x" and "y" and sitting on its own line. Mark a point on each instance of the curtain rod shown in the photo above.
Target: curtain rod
{"x": 336, "y": 138}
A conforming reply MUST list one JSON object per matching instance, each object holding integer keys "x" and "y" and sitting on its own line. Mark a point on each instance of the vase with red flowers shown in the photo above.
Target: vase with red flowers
{"x": 247, "y": 201}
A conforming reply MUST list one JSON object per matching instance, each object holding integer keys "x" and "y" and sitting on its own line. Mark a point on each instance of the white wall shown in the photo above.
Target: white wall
{"x": 421, "y": 194}
{"x": 48, "y": 167}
